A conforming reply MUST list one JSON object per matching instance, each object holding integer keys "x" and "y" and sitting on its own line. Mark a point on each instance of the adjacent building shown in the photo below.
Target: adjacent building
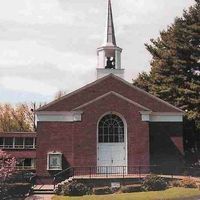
{"x": 22, "y": 146}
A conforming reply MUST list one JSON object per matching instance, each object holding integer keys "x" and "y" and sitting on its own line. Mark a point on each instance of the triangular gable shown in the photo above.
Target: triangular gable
{"x": 117, "y": 96}
{"x": 103, "y": 86}
{"x": 43, "y": 108}
{"x": 150, "y": 95}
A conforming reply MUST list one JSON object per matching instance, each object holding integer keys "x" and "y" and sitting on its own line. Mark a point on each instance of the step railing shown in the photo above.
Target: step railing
{"x": 101, "y": 172}
{"x": 111, "y": 171}
{"x": 136, "y": 171}
{"x": 63, "y": 175}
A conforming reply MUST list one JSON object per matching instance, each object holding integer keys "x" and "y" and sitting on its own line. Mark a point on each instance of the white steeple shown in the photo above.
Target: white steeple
{"x": 109, "y": 54}
{"x": 110, "y": 30}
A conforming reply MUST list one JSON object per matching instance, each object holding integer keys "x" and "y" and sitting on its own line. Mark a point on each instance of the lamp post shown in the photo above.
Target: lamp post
{"x": 33, "y": 110}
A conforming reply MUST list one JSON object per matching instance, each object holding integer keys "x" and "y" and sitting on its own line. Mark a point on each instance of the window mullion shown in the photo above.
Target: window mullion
{"x": 111, "y": 129}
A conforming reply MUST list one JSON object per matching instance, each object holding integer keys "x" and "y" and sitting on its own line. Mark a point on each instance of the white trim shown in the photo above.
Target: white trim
{"x": 107, "y": 94}
{"x": 125, "y": 134}
{"x": 149, "y": 116}
{"x": 101, "y": 72}
{"x": 48, "y": 159}
{"x": 48, "y": 116}
{"x": 101, "y": 79}
{"x": 104, "y": 47}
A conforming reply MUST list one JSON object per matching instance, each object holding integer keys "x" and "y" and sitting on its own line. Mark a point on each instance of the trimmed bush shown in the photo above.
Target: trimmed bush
{"x": 154, "y": 183}
{"x": 10, "y": 190}
{"x": 175, "y": 183}
{"x": 131, "y": 188}
{"x": 102, "y": 190}
{"x": 3, "y": 192}
{"x": 74, "y": 189}
{"x": 19, "y": 189}
{"x": 188, "y": 183}
{"x": 58, "y": 189}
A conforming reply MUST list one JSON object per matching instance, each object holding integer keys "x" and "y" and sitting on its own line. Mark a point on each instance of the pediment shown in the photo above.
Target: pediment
{"x": 110, "y": 83}
{"x": 116, "y": 95}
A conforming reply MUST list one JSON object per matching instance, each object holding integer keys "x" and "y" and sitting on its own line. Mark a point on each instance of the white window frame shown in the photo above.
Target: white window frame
{"x": 59, "y": 155}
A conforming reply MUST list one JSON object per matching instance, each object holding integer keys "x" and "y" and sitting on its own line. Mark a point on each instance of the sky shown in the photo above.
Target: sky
{"x": 50, "y": 45}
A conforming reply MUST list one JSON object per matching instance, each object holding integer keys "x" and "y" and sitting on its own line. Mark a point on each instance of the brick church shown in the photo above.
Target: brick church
{"x": 108, "y": 122}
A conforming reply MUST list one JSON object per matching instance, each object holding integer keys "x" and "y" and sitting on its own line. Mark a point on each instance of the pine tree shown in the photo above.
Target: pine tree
{"x": 143, "y": 81}
{"x": 175, "y": 66}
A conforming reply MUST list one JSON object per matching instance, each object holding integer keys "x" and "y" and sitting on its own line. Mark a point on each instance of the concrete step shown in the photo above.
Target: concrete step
{"x": 43, "y": 191}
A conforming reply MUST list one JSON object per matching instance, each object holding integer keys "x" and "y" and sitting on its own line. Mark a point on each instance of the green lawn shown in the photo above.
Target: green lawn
{"x": 169, "y": 194}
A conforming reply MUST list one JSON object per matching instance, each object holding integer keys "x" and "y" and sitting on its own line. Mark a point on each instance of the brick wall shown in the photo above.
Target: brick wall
{"x": 78, "y": 140}
{"x": 53, "y": 136}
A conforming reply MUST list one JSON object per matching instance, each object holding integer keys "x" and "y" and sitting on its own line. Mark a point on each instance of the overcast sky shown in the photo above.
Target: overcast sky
{"x": 50, "y": 45}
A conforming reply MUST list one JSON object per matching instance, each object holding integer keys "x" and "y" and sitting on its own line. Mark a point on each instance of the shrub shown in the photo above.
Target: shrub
{"x": 102, "y": 190}
{"x": 188, "y": 183}
{"x": 175, "y": 183}
{"x": 131, "y": 188}
{"x": 154, "y": 183}
{"x": 58, "y": 189}
{"x": 3, "y": 192}
{"x": 19, "y": 189}
{"x": 9, "y": 190}
{"x": 74, "y": 189}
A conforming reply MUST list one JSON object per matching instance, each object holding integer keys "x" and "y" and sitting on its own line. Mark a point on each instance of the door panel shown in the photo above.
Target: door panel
{"x": 112, "y": 156}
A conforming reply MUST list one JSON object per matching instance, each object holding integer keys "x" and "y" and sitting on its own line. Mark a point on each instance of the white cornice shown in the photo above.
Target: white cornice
{"x": 58, "y": 112}
{"x": 161, "y": 116}
{"x": 52, "y": 116}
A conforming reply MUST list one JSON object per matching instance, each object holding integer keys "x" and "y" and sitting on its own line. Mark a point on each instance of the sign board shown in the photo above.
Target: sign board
{"x": 115, "y": 185}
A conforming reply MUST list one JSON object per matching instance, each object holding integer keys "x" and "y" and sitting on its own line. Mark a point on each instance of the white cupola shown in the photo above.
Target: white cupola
{"x": 109, "y": 54}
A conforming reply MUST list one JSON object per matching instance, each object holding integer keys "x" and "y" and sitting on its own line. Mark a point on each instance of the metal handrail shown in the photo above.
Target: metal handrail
{"x": 137, "y": 171}
{"x": 61, "y": 173}
{"x": 115, "y": 171}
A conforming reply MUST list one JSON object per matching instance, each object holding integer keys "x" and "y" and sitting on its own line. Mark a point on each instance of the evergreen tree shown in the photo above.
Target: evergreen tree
{"x": 175, "y": 67}
{"x": 143, "y": 81}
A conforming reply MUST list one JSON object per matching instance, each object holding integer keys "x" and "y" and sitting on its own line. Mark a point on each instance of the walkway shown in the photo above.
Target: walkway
{"x": 40, "y": 197}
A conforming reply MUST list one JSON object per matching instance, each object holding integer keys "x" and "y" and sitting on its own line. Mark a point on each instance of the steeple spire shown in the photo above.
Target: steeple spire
{"x": 110, "y": 31}
{"x": 109, "y": 54}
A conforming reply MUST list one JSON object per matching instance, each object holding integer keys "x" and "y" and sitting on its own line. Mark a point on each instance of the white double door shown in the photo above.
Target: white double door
{"x": 111, "y": 157}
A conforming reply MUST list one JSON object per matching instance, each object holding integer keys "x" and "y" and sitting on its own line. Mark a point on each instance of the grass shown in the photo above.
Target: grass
{"x": 169, "y": 194}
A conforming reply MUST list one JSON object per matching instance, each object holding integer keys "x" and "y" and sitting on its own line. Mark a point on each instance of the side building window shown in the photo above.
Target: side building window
{"x": 54, "y": 161}
{"x": 1, "y": 142}
{"x": 29, "y": 143}
{"x": 19, "y": 143}
{"x": 8, "y": 143}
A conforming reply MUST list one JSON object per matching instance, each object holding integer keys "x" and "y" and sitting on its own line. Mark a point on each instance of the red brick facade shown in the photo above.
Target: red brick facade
{"x": 77, "y": 141}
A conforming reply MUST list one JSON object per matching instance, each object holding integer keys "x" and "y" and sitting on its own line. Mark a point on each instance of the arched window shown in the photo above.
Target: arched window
{"x": 111, "y": 129}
